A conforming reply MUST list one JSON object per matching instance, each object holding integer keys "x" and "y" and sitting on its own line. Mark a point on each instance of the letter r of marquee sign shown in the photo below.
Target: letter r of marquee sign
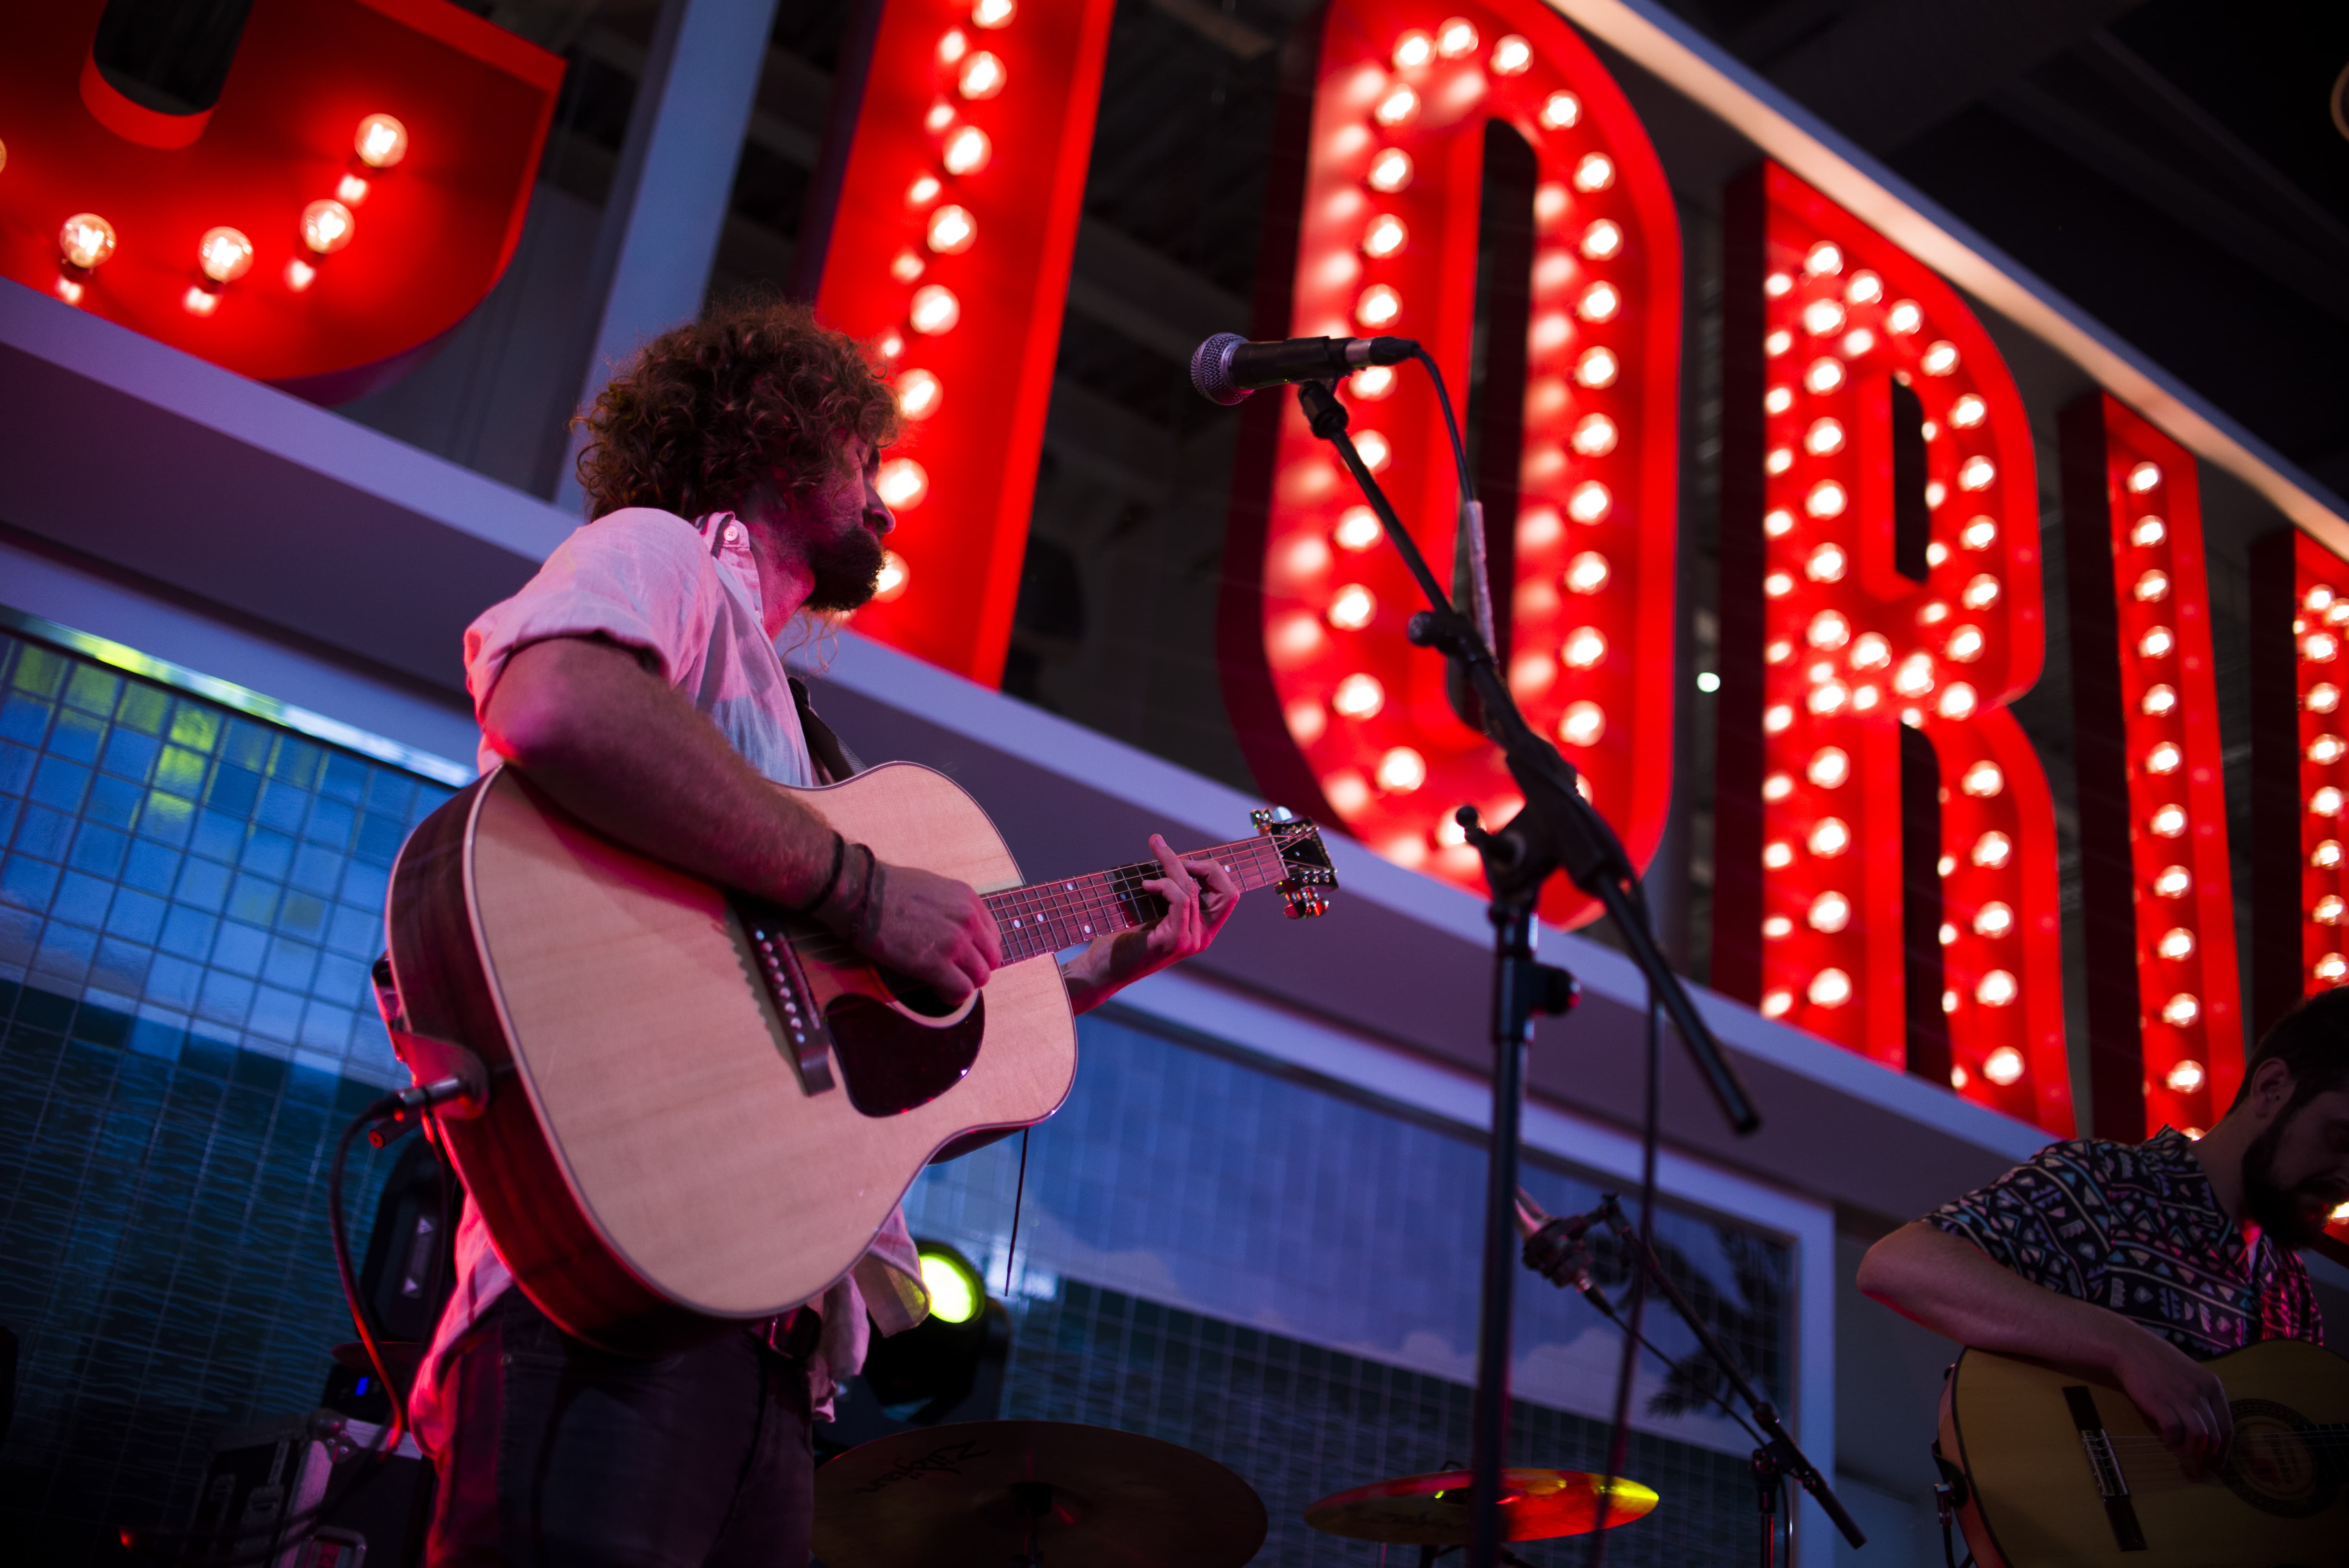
{"x": 1880, "y": 574}
{"x": 1373, "y": 227}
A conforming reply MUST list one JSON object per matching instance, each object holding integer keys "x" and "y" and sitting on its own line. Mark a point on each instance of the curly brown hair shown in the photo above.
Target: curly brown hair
{"x": 756, "y": 395}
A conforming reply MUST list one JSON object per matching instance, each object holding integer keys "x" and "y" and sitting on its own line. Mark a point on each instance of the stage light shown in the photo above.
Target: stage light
{"x": 1561, "y": 110}
{"x": 967, "y": 152}
{"x": 1359, "y": 696}
{"x": 1583, "y": 725}
{"x": 952, "y": 231}
{"x": 381, "y": 142}
{"x": 1511, "y": 55}
{"x": 936, "y": 310}
{"x": 327, "y": 225}
{"x": 224, "y": 254}
{"x": 902, "y": 484}
{"x": 982, "y": 76}
{"x": 919, "y": 392}
{"x": 86, "y": 240}
{"x": 1596, "y": 171}
{"x": 1352, "y": 608}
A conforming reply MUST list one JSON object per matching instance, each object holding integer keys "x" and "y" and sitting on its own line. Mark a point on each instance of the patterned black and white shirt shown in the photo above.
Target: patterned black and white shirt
{"x": 2135, "y": 1227}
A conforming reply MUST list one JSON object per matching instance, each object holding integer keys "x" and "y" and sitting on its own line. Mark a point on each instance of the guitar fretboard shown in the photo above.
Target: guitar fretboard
{"x": 1045, "y": 917}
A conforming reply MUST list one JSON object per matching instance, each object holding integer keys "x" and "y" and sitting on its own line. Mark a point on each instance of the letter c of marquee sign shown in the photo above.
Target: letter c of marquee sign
{"x": 1334, "y": 706}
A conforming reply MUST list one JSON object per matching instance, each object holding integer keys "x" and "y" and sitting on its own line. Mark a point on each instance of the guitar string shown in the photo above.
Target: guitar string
{"x": 1116, "y": 898}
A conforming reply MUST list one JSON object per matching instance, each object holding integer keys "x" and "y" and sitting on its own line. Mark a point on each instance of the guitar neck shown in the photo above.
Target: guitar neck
{"x": 1045, "y": 917}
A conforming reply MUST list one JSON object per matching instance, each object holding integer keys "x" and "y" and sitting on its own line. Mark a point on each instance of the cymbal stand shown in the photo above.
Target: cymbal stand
{"x": 1558, "y": 829}
{"x": 1033, "y": 1498}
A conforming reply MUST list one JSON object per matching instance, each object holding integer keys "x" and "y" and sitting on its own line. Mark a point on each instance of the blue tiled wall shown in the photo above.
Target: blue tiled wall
{"x": 188, "y": 905}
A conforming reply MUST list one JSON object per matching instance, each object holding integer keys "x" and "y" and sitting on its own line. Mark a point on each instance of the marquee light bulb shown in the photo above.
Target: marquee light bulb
{"x": 1976, "y": 473}
{"x": 892, "y": 346}
{"x": 907, "y": 267}
{"x": 1385, "y": 236}
{"x": 1993, "y": 919}
{"x": 1864, "y": 287}
{"x": 1993, "y": 850}
{"x": 1594, "y": 436}
{"x": 2327, "y": 910}
{"x": 1778, "y": 400}
{"x": 1561, "y": 110}
{"x": 1777, "y": 927}
{"x": 936, "y": 310}
{"x": 1941, "y": 359}
{"x": 1830, "y": 836}
{"x": 1965, "y": 644}
{"x": 1830, "y": 988}
{"x": 1777, "y": 585}
{"x": 300, "y": 274}
{"x": 1824, "y": 375}
{"x": 1391, "y": 171}
{"x": 2323, "y": 698}
{"x": 2326, "y": 855}
{"x": 1777, "y": 719}
{"x": 891, "y": 583}
{"x": 1871, "y": 652}
{"x": 1948, "y": 933}
{"x": 1532, "y": 673}
{"x": 2173, "y": 882}
{"x": 1414, "y": 49}
{"x": 1456, "y": 38}
{"x": 966, "y": 151}
{"x": 2143, "y": 477}
{"x": 381, "y": 142}
{"x": 919, "y": 393}
{"x": 224, "y": 254}
{"x": 2180, "y": 1011}
{"x": 327, "y": 225}
{"x": 1777, "y": 787}
{"x": 1778, "y": 523}
{"x": 1777, "y": 1003}
{"x": 1587, "y": 573}
{"x": 953, "y": 46}
{"x": 2003, "y": 1067}
{"x": 2331, "y": 968}
{"x": 1915, "y": 677}
{"x": 1596, "y": 171}
{"x": 1402, "y": 770}
{"x": 1777, "y": 342}
{"x": 2325, "y": 802}
{"x": 1583, "y": 725}
{"x": 350, "y": 189}
{"x": 1824, "y": 436}
{"x": 1826, "y": 499}
{"x": 1589, "y": 503}
{"x": 1830, "y": 767}
{"x": 902, "y": 484}
{"x": 2148, "y": 532}
{"x": 1777, "y": 285}
{"x": 1779, "y": 460}
{"x": 1397, "y": 106}
{"x": 1936, "y": 492}
{"x": 1828, "y": 629}
{"x": 2168, "y": 821}
{"x": 2176, "y": 944}
{"x": 1511, "y": 55}
{"x": 1933, "y": 613}
{"x": 2326, "y": 750}
{"x": 1376, "y": 449}
{"x": 1828, "y": 563}
{"x": 86, "y": 239}
{"x": 1981, "y": 592}
{"x": 2320, "y": 647}
{"x": 2320, "y": 598}
{"x": 993, "y": 14}
{"x": 2164, "y": 758}
{"x": 2152, "y": 587}
{"x": 923, "y": 190}
{"x": 1379, "y": 306}
{"x": 1828, "y": 698}
{"x": 1586, "y": 648}
{"x": 1957, "y": 701}
{"x": 1824, "y": 258}
{"x": 1599, "y": 302}
{"x": 200, "y": 300}
{"x": 1359, "y": 696}
{"x": 1822, "y": 316}
{"x": 2188, "y": 1075}
{"x": 1539, "y": 528}
{"x": 1978, "y": 534}
{"x": 1983, "y": 779}
{"x": 1352, "y": 608}
{"x": 952, "y": 229}
{"x": 2160, "y": 701}
{"x": 982, "y": 76}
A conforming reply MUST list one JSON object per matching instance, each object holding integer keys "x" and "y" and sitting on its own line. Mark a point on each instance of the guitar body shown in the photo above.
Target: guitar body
{"x": 680, "y": 1130}
{"x": 2061, "y": 1468}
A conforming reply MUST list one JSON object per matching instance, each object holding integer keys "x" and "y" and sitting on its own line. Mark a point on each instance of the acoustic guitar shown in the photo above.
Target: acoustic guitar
{"x": 2048, "y": 1466}
{"x": 685, "y": 1105}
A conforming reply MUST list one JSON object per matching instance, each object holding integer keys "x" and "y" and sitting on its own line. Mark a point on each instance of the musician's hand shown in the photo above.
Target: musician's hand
{"x": 937, "y": 930}
{"x": 1200, "y": 895}
{"x": 2182, "y": 1397}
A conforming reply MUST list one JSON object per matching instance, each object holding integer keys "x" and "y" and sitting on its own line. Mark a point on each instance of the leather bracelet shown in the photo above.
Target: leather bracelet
{"x": 843, "y": 908}
{"x": 823, "y": 889}
{"x": 876, "y": 882}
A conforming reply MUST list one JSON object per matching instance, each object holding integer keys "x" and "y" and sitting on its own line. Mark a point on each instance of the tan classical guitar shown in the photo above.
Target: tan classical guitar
{"x": 688, "y": 1105}
{"x": 2050, "y": 1468}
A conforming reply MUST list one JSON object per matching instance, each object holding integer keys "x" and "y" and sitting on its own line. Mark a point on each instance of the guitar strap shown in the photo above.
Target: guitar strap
{"x": 838, "y": 763}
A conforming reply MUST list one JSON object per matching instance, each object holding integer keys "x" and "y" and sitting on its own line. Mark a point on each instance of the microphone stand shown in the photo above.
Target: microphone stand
{"x": 1557, "y": 831}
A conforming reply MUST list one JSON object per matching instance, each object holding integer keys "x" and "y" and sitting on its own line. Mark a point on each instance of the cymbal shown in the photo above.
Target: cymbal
{"x": 940, "y": 1497}
{"x": 1432, "y": 1509}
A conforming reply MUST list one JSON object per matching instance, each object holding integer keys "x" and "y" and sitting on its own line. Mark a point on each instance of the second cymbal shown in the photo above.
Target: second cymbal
{"x": 1433, "y": 1509}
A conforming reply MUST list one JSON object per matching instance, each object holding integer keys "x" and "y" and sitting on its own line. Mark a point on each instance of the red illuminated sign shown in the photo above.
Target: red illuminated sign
{"x": 2300, "y": 605}
{"x": 950, "y": 249}
{"x": 2165, "y": 1019}
{"x": 1832, "y": 641}
{"x": 280, "y": 238}
{"x": 1350, "y": 716}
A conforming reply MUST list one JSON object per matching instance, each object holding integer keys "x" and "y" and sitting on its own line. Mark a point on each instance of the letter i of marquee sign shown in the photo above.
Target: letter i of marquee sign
{"x": 1829, "y": 647}
{"x": 948, "y": 251}
{"x": 1387, "y": 243}
{"x": 2299, "y": 763}
{"x": 2165, "y": 1015}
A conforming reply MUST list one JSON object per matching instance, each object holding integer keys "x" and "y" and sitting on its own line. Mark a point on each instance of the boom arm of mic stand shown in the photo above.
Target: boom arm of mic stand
{"x": 1791, "y": 1459}
{"x": 1578, "y": 837}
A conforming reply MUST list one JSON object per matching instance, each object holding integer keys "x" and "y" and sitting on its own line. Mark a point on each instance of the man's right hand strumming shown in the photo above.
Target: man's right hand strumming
{"x": 937, "y": 930}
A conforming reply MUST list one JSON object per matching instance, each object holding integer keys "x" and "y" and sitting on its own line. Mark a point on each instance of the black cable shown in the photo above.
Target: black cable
{"x": 1019, "y": 1197}
{"x": 1459, "y": 447}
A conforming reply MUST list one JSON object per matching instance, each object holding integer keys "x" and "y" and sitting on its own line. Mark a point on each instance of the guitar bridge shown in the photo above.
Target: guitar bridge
{"x": 2120, "y": 1513}
{"x": 807, "y": 1038}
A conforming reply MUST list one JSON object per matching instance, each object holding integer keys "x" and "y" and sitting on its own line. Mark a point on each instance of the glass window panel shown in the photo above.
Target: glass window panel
{"x": 16, "y": 764}
{"x": 366, "y": 884}
{"x": 143, "y": 709}
{"x": 343, "y": 778}
{"x": 219, "y": 835}
{"x": 305, "y": 916}
{"x": 296, "y": 762}
{"x": 136, "y": 916}
{"x": 391, "y": 792}
{"x": 330, "y": 823}
{"x": 60, "y": 783}
{"x": 275, "y": 1014}
{"x": 121, "y": 967}
{"x": 234, "y": 790}
{"x": 325, "y": 1027}
{"x": 248, "y": 744}
{"x": 254, "y": 898}
{"x": 356, "y": 930}
{"x": 65, "y": 952}
{"x": 283, "y": 805}
{"x": 204, "y": 883}
{"x": 174, "y": 982}
{"x": 40, "y": 670}
{"x": 267, "y": 853}
{"x": 379, "y": 838}
{"x": 26, "y": 719}
{"x": 239, "y": 948}
{"x": 26, "y": 882}
{"x": 20, "y": 934}
{"x": 344, "y": 980}
{"x": 44, "y": 833}
{"x": 182, "y": 771}
{"x": 290, "y": 964}
{"x": 99, "y": 851}
{"x": 93, "y": 689}
{"x": 188, "y": 932}
{"x": 76, "y": 736}
{"x": 82, "y": 899}
{"x": 112, "y": 801}
{"x": 151, "y": 866}
{"x": 195, "y": 725}
{"x": 167, "y": 818}
{"x": 225, "y": 998}
{"x": 131, "y": 754}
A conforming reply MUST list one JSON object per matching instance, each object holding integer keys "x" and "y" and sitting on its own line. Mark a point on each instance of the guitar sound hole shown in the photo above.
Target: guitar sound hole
{"x": 891, "y": 1063}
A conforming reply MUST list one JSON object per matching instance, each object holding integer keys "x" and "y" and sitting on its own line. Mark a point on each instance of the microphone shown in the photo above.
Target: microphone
{"x": 1227, "y": 367}
{"x": 1555, "y": 1248}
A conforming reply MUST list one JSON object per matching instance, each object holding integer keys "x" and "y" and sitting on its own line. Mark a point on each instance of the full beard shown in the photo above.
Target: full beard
{"x": 2293, "y": 1215}
{"x": 846, "y": 569}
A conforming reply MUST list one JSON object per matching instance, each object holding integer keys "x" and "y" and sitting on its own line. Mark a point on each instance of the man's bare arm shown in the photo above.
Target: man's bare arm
{"x": 1954, "y": 1288}
{"x": 614, "y": 745}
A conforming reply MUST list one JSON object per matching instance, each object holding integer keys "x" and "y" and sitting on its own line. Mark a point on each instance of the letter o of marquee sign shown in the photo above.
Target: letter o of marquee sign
{"x": 1388, "y": 245}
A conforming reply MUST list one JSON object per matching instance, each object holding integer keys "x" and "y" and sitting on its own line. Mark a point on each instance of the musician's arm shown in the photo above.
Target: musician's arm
{"x": 613, "y": 744}
{"x": 1954, "y": 1288}
{"x": 1200, "y": 895}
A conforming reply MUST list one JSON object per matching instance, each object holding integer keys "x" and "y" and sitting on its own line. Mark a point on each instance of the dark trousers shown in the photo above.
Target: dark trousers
{"x": 563, "y": 1456}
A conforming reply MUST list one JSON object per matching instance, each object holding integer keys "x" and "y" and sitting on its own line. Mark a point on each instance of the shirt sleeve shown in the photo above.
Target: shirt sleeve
{"x": 2031, "y": 1221}
{"x": 639, "y": 577}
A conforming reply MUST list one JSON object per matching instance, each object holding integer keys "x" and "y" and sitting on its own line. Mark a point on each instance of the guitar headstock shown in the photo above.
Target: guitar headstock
{"x": 1306, "y": 877}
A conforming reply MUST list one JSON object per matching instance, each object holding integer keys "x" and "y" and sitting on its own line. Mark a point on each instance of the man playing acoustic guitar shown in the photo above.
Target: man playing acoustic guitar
{"x": 636, "y": 681}
{"x": 2140, "y": 1261}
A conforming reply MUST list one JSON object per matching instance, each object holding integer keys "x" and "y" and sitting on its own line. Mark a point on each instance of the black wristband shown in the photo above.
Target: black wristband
{"x": 877, "y": 879}
{"x": 823, "y": 889}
